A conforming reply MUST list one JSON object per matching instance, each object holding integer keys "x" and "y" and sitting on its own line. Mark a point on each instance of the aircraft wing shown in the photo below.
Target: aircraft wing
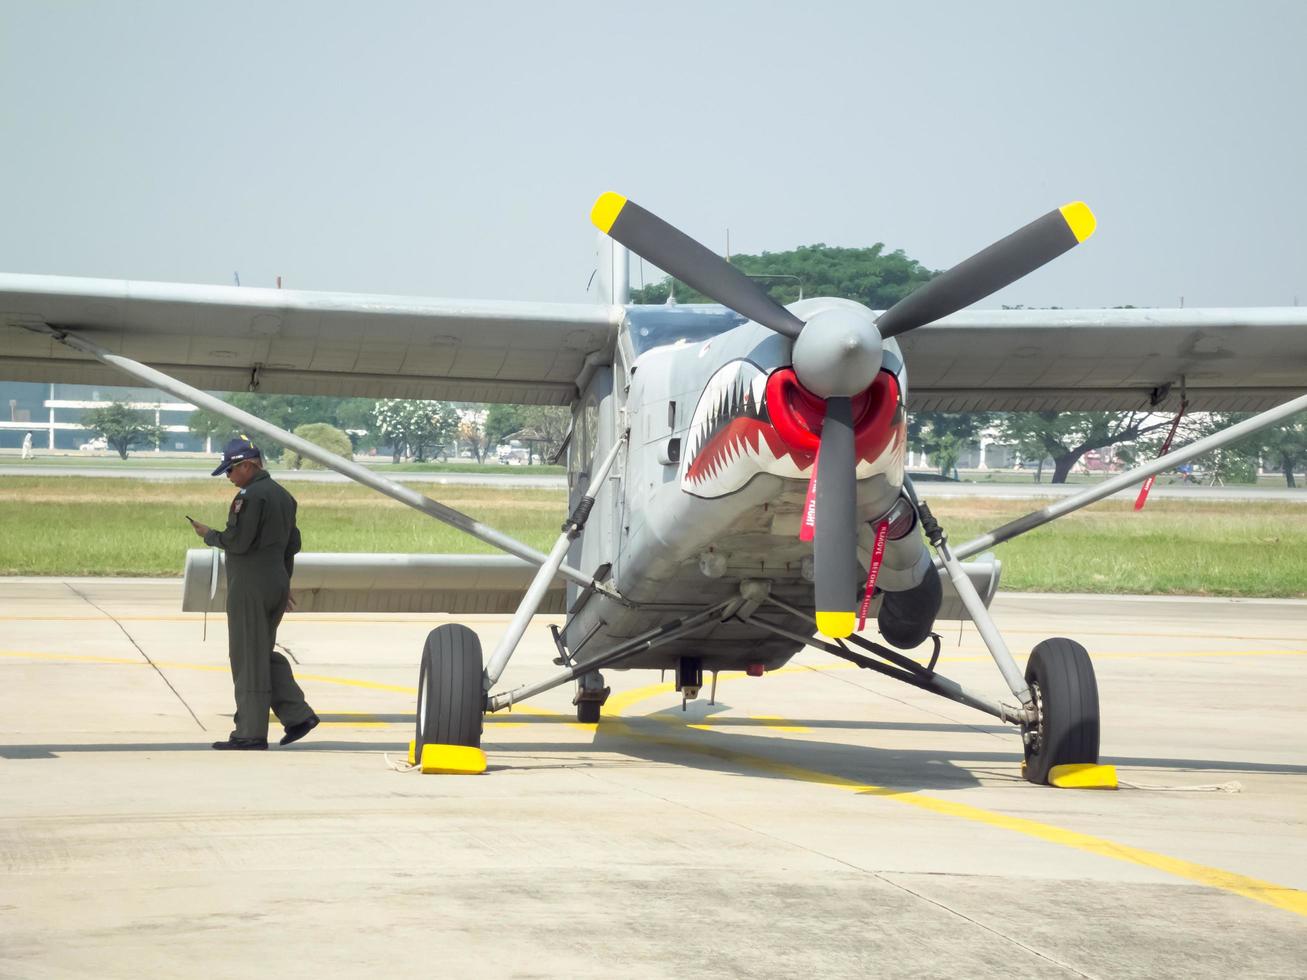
{"x": 229, "y": 338}
{"x": 382, "y": 583}
{"x": 1245, "y": 359}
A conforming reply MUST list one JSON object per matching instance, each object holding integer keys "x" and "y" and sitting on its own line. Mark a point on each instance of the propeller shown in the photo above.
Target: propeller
{"x": 654, "y": 240}
{"x": 837, "y": 353}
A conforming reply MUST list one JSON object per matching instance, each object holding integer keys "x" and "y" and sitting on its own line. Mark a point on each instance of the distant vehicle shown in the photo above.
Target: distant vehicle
{"x": 1094, "y": 462}
{"x": 95, "y": 444}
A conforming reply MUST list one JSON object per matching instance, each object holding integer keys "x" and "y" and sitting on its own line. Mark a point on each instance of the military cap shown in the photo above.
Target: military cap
{"x": 238, "y": 449}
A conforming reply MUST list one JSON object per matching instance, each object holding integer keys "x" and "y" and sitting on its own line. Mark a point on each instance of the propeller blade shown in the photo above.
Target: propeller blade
{"x": 835, "y": 555}
{"x": 990, "y": 269}
{"x": 675, "y": 252}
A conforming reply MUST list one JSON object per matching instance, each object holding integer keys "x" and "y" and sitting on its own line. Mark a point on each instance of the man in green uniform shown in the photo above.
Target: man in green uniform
{"x": 261, "y": 541}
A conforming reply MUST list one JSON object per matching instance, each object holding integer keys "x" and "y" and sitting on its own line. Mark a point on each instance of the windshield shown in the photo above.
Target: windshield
{"x": 662, "y": 326}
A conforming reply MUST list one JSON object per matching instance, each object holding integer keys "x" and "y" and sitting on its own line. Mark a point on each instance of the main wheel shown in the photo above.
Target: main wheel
{"x": 1061, "y": 678}
{"x": 587, "y": 712}
{"x": 450, "y": 697}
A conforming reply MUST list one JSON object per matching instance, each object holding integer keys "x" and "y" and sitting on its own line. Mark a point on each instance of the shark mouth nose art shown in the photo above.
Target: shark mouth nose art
{"x": 748, "y": 422}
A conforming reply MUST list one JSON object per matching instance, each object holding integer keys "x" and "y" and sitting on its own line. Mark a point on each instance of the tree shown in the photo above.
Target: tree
{"x": 123, "y": 428}
{"x": 1285, "y": 446}
{"x": 551, "y": 424}
{"x": 320, "y": 434}
{"x": 415, "y": 426}
{"x": 355, "y": 417}
{"x": 1066, "y": 436}
{"x": 209, "y": 425}
{"x": 283, "y": 411}
{"x": 472, "y": 431}
{"x": 867, "y": 275}
{"x": 944, "y": 435}
{"x": 502, "y": 421}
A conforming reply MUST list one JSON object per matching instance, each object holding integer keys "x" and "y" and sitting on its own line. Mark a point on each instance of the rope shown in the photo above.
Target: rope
{"x": 1231, "y": 787}
{"x": 404, "y": 766}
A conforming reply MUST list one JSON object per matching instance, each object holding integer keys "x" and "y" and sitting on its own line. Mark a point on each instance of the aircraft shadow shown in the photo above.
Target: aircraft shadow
{"x": 508, "y": 718}
{"x": 665, "y": 739}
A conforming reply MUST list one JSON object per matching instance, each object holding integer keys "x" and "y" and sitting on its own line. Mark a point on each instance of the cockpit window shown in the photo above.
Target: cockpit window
{"x": 663, "y": 326}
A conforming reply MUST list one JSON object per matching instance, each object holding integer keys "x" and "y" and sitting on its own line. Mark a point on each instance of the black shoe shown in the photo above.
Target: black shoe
{"x": 243, "y": 744}
{"x": 296, "y": 732}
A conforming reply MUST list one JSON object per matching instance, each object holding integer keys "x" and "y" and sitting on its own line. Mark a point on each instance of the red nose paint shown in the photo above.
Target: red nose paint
{"x": 797, "y": 414}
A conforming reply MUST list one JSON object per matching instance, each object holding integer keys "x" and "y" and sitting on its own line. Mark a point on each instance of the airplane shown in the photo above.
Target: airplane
{"x": 736, "y": 471}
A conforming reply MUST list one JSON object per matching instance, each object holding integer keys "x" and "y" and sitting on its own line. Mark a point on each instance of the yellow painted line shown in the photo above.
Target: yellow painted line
{"x": 170, "y": 665}
{"x": 346, "y": 681}
{"x": 619, "y": 701}
{"x": 353, "y": 719}
{"x": 357, "y": 724}
{"x": 320, "y": 678}
{"x": 1279, "y": 896}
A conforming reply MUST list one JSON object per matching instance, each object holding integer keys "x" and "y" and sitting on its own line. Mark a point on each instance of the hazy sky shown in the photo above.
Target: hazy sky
{"x": 454, "y": 149}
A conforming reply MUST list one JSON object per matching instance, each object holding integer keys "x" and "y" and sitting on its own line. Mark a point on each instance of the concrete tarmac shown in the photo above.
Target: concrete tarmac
{"x": 820, "y": 821}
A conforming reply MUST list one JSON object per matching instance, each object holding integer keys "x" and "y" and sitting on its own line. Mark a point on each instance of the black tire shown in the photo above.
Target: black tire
{"x": 450, "y": 697}
{"x": 587, "y": 712}
{"x": 1061, "y": 677}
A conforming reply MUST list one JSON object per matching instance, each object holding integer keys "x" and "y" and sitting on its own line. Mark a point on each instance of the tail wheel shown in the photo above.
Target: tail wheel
{"x": 588, "y": 712}
{"x": 1066, "y": 729}
{"x": 450, "y": 696}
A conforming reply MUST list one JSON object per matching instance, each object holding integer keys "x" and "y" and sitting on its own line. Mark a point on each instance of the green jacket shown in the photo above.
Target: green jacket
{"x": 261, "y": 539}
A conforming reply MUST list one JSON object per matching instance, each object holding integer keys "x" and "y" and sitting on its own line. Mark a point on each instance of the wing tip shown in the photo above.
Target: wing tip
{"x": 606, "y": 210}
{"x": 1079, "y": 219}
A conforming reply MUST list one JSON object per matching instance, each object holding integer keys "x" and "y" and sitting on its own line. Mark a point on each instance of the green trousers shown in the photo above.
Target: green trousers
{"x": 262, "y": 676}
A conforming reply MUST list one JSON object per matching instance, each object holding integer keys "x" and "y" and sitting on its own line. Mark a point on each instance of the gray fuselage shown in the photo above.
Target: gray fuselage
{"x": 705, "y": 495}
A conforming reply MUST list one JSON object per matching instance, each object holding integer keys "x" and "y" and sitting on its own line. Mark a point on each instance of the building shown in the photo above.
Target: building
{"x": 53, "y": 414}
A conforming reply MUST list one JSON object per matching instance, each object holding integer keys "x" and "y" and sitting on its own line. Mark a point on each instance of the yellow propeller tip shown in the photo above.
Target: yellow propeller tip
{"x": 606, "y": 210}
{"x": 836, "y": 625}
{"x": 1079, "y": 219}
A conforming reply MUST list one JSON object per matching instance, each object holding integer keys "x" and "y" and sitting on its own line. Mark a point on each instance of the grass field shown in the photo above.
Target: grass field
{"x": 85, "y": 526}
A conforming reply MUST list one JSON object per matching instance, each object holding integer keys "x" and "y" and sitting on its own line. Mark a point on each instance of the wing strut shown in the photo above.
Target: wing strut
{"x": 535, "y": 593}
{"x": 360, "y": 474}
{"x": 1172, "y": 459}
